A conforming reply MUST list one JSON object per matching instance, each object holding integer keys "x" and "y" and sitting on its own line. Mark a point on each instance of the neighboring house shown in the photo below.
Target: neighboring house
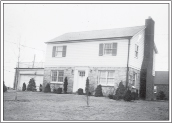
{"x": 161, "y": 82}
{"x": 106, "y": 57}
{"x": 26, "y": 71}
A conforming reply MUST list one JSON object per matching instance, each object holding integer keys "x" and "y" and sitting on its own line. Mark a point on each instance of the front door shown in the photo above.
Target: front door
{"x": 80, "y": 76}
{"x": 81, "y": 80}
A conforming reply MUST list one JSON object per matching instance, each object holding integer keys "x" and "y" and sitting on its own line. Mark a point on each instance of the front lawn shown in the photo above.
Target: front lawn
{"x": 49, "y": 106}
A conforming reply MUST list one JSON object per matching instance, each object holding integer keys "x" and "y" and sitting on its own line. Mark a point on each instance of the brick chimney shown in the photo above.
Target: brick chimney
{"x": 147, "y": 78}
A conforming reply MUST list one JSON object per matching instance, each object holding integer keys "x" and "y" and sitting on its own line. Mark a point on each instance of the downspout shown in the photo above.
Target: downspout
{"x": 128, "y": 62}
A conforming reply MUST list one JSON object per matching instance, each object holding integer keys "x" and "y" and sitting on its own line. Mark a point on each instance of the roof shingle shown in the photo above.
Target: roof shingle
{"x": 97, "y": 34}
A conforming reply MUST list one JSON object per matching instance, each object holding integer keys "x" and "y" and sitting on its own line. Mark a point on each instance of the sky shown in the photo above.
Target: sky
{"x": 33, "y": 24}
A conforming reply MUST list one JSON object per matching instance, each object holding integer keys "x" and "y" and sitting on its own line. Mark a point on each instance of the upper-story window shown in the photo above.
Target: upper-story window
{"x": 59, "y": 51}
{"x": 136, "y": 50}
{"x": 108, "y": 49}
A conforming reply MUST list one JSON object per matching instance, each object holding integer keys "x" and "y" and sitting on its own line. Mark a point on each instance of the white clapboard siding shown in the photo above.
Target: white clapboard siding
{"x": 139, "y": 40}
{"x": 87, "y": 54}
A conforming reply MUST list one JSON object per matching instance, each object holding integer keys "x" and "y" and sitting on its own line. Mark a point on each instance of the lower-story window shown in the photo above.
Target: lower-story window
{"x": 106, "y": 77}
{"x": 155, "y": 89}
{"x": 57, "y": 75}
{"x": 133, "y": 79}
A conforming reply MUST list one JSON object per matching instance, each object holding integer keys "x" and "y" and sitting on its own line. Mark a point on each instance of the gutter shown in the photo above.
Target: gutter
{"x": 128, "y": 62}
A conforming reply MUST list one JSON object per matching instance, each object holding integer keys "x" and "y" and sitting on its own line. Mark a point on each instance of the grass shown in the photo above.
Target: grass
{"x": 49, "y": 106}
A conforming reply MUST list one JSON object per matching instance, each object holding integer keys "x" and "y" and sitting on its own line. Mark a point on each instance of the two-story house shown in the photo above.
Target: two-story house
{"x": 106, "y": 57}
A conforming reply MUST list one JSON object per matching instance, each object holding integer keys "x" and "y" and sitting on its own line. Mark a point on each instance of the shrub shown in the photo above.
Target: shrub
{"x": 110, "y": 96}
{"x": 80, "y": 91}
{"x": 4, "y": 88}
{"x": 120, "y": 92}
{"x": 40, "y": 88}
{"x": 134, "y": 95}
{"x": 137, "y": 95}
{"x": 114, "y": 97}
{"x": 65, "y": 85}
{"x": 47, "y": 88}
{"x": 31, "y": 86}
{"x": 24, "y": 87}
{"x": 160, "y": 96}
{"x": 98, "y": 92}
{"x": 127, "y": 96}
{"x": 54, "y": 90}
{"x": 59, "y": 90}
{"x": 87, "y": 87}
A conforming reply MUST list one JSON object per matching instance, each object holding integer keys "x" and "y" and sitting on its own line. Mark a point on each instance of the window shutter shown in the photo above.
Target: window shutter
{"x": 100, "y": 49}
{"x": 64, "y": 51}
{"x": 54, "y": 50}
{"x": 114, "y": 50}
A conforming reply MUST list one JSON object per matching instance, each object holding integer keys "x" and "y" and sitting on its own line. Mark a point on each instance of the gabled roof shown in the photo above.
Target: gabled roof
{"x": 98, "y": 34}
{"x": 161, "y": 77}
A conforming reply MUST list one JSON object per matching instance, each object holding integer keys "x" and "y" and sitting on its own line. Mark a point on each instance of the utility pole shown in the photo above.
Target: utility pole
{"x": 17, "y": 73}
{"x": 33, "y": 61}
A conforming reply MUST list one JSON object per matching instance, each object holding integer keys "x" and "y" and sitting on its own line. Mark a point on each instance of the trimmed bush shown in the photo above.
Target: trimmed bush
{"x": 114, "y": 97}
{"x": 65, "y": 85}
{"x": 47, "y": 88}
{"x": 110, "y": 96}
{"x": 134, "y": 95}
{"x": 24, "y": 87}
{"x": 59, "y": 90}
{"x": 160, "y": 96}
{"x": 120, "y": 92}
{"x": 40, "y": 88}
{"x": 80, "y": 91}
{"x": 31, "y": 86}
{"x": 87, "y": 87}
{"x": 54, "y": 90}
{"x": 127, "y": 96}
{"x": 4, "y": 88}
{"x": 98, "y": 92}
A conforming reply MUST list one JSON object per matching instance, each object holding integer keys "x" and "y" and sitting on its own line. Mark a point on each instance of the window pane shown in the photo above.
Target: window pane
{"x": 111, "y": 74}
{"x": 102, "y": 74}
{"x": 54, "y": 75}
{"x": 108, "y": 46}
{"x": 58, "y": 54}
{"x": 59, "y": 48}
{"x": 110, "y": 81}
{"x": 60, "y": 76}
{"x": 60, "y": 79}
{"x": 108, "y": 49}
{"x": 61, "y": 73}
{"x": 102, "y": 81}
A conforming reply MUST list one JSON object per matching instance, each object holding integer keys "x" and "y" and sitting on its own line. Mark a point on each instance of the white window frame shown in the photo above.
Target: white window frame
{"x": 57, "y": 81}
{"x": 107, "y": 49}
{"x": 136, "y": 51}
{"x": 56, "y": 52}
{"x": 133, "y": 79}
{"x": 107, "y": 84}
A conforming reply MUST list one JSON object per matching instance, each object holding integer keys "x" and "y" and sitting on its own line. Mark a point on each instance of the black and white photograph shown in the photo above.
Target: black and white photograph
{"x": 101, "y": 61}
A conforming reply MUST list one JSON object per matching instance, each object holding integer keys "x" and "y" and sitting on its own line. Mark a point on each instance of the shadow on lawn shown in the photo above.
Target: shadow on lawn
{"x": 22, "y": 100}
